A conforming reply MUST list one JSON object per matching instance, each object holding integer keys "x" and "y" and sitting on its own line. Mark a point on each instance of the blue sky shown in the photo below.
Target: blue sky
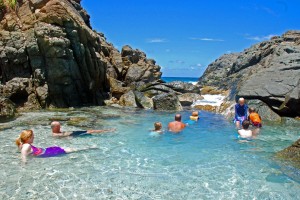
{"x": 185, "y": 36}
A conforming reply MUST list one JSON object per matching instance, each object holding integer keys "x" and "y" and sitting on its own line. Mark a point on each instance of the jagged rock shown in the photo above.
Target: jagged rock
{"x": 188, "y": 99}
{"x": 128, "y": 99}
{"x": 143, "y": 101}
{"x": 166, "y": 101}
{"x": 268, "y": 71}
{"x": 291, "y": 153}
{"x": 117, "y": 88}
{"x": 158, "y": 89}
{"x": 183, "y": 87}
{"x": 7, "y": 109}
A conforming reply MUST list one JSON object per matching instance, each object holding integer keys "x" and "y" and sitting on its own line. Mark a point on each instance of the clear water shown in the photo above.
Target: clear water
{"x": 184, "y": 79}
{"x": 205, "y": 161}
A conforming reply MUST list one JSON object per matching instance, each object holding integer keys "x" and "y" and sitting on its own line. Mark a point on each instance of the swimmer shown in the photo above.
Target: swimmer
{"x": 245, "y": 132}
{"x": 176, "y": 126}
{"x": 24, "y": 143}
{"x": 241, "y": 112}
{"x": 194, "y": 116}
{"x": 158, "y": 128}
{"x": 56, "y": 132}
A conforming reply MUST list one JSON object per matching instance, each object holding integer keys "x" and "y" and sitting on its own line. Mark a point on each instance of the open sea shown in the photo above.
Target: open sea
{"x": 205, "y": 161}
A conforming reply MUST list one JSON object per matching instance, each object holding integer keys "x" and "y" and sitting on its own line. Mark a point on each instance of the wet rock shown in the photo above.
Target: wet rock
{"x": 117, "y": 88}
{"x": 7, "y": 109}
{"x": 189, "y": 98}
{"x": 166, "y": 101}
{"x": 291, "y": 153}
{"x": 143, "y": 101}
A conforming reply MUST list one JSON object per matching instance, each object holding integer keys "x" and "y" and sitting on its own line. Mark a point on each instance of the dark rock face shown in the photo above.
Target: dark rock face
{"x": 268, "y": 71}
{"x": 49, "y": 55}
{"x": 167, "y": 101}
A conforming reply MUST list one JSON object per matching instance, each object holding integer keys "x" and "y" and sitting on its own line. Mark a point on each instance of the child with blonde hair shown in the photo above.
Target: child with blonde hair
{"x": 24, "y": 143}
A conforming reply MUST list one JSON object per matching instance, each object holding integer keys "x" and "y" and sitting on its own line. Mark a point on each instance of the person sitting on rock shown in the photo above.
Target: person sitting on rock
{"x": 254, "y": 118}
{"x": 241, "y": 112}
{"x": 245, "y": 133}
{"x": 194, "y": 116}
{"x": 176, "y": 126}
{"x": 158, "y": 128}
{"x": 56, "y": 132}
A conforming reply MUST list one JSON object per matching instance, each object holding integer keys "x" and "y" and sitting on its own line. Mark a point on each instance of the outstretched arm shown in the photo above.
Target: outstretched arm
{"x": 62, "y": 134}
{"x": 101, "y": 131}
{"x": 26, "y": 149}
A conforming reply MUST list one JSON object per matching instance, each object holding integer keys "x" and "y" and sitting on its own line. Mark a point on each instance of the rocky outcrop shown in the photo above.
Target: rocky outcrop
{"x": 291, "y": 153}
{"x": 268, "y": 71}
{"x": 167, "y": 101}
{"x": 188, "y": 99}
{"x": 7, "y": 109}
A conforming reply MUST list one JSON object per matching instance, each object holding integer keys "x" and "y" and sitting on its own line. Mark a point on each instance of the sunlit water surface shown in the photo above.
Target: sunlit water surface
{"x": 205, "y": 161}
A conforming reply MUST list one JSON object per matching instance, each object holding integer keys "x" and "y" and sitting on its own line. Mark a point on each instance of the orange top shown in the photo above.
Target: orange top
{"x": 255, "y": 118}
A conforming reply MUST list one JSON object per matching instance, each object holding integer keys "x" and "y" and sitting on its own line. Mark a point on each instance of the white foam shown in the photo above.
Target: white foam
{"x": 193, "y": 82}
{"x": 213, "y": 100}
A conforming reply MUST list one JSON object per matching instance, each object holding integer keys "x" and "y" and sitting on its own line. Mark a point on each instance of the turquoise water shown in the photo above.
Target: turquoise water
{"x": 205, "y": 161}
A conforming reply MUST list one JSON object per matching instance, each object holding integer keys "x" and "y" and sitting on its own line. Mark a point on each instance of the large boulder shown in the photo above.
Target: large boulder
{"x": 143, "y": 101}
{"x": 268, "y": 71}
{"x": 128, "y": 99}
{"x": 291, "y": 153}
{"x": 167, "y": 101}
{"x": 7, "y": 109}
{"x": 266, "y": 113}
{"x": 188, "y": 99}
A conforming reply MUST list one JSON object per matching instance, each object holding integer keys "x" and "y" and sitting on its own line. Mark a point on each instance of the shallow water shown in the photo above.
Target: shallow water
{"x": 205, "y": 161}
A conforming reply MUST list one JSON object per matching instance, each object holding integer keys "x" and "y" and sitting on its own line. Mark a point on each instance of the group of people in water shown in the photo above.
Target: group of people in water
{"x": 242, "y": 121}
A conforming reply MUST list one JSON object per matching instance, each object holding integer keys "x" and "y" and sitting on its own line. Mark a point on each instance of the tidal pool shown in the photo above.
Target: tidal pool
{"x": 205, "y": 161}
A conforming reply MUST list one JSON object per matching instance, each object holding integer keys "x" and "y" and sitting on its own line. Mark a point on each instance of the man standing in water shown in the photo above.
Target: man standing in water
{"x": 241, "y": 112}
{"x": 176, "y": 126}
{"x": 55, "y": 126}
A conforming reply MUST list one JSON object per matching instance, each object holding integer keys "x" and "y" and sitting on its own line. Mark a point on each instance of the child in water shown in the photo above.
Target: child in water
{"x": 254, "y": 118}
{"x": 194, "y": 116}
{"x": 24, "y": 143}
{"x": 245, "y": 133}
{"x": 158, "y": 127}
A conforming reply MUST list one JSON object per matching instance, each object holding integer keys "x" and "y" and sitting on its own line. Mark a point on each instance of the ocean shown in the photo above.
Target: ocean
{"x": 192, "y": 80}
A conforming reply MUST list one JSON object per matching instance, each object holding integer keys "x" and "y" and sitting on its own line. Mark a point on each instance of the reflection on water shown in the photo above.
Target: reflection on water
{"x": 205, "y": 161}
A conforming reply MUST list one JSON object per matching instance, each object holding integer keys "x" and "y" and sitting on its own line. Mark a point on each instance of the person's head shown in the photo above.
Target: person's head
{"x": 55, "y": 126}
{"x": 241, "y": 101}
{"x": 25, "y": 137}
{"x": 157, "y": 126}
{"x": 178, "y": 117}
{"x": 195, "y": 114}
{"x": 251, "y": 110}
{"x": 245, "y": 124}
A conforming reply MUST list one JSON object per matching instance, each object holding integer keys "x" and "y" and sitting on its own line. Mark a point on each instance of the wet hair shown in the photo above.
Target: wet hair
{"x": 178, "y": 117}
{"x": 195, "y": 113}
{"x": 54, "y": 124}
{"x": 252, "y": 110}
{"x": 157, "y": 125}
{"x": 246, "y": 124}
{"x": 24, "y": 137}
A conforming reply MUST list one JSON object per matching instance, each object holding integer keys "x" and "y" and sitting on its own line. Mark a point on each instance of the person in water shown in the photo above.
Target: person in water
{"x": 241, "y": 112}
{"x": 254, "y": 118}
{"x": 176, "y": 126}
{"x": 55, "y": 126}
{"x": 194, "y": 116}
{"x": 24, "y": 143}
{"x": 158, "y": 128}
{"x": 245, "y": 132}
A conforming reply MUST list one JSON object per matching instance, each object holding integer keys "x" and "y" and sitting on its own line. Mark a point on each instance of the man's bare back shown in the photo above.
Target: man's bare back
{"x": 176, "y": 126}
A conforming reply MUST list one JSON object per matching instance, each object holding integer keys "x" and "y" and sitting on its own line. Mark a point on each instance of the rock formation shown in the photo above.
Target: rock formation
{"x": 51, "y": 57}
{"x": 268, "y": 71}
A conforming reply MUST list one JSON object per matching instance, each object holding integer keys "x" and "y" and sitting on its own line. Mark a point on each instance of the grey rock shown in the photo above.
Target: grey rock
{"x": 266, "y": 113}
{"x": 188, "y": 99}
{"x": 143, "y": 101}
{"x": 7, "y": 109}
{"x": 167, "y": 101}
{"x": 183, "y": 87}
{"x": 128, "y": 99}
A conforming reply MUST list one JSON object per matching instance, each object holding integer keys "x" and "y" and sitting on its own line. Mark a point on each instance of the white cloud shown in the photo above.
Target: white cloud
{"x": 199, "y": 65}
{"x": 260, "y": 38}
{"x": 156, "y": 40}
{"x": 207, "y": 39}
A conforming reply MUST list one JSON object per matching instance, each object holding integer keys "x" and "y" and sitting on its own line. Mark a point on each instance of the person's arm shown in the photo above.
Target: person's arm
{"x": 101, "y": 131}
{"x": 246, "y": 111}
{"x": 62, "y": 134}
{"x": 26, "y": 149}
